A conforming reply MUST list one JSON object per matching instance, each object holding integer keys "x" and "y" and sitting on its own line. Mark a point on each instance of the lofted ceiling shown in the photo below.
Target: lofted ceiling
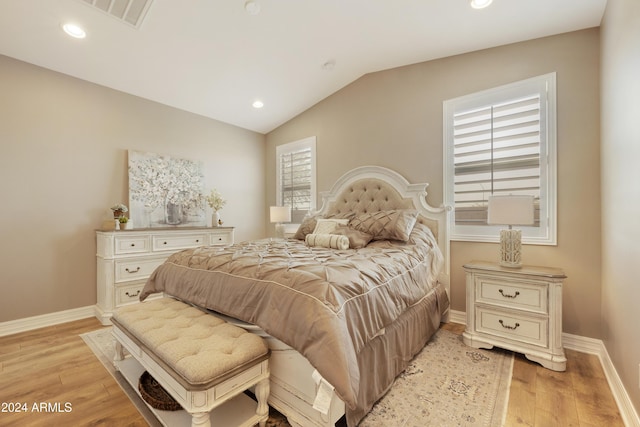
{"x": 215, "y": 58}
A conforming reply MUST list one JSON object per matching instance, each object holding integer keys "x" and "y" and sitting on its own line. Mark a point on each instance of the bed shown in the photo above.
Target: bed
{"x": 342, "y": 322}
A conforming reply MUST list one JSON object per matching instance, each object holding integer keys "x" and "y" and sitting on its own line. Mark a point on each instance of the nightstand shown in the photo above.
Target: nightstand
{"x": 519, "y": 309}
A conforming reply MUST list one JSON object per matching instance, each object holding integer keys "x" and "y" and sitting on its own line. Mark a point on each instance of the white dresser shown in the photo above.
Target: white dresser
{"x": 519, "y": 309}
{"x": 126, "y": 258}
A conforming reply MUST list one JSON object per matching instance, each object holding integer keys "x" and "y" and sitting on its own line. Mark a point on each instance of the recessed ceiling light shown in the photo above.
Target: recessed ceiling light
{"x": 480, "y": 4}
{"x": 258, "y": 104}
{"x": 252, "y": 7}
{"x": 74, "y": 31}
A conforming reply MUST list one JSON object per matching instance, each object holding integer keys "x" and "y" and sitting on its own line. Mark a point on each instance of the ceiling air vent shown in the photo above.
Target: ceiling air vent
{"x": 131, "y": 12}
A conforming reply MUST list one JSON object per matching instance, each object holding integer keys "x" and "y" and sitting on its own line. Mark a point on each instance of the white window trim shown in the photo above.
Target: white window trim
{"x": 546, "y": 234}
{"x": 301, "y": 144}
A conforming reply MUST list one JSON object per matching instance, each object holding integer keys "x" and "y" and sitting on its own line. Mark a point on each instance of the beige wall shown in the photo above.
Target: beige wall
{"x": 393, "y": 118}
{"x": 621, "y": 189}
{"x": 64, "y": 163}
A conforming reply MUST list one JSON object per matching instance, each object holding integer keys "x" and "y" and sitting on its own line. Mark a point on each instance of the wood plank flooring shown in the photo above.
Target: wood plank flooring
{"x": 56, "y": 375}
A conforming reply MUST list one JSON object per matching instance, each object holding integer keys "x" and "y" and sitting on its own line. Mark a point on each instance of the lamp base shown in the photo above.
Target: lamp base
{"x": 510, "y": 247}
{"x": 280, "y": 230}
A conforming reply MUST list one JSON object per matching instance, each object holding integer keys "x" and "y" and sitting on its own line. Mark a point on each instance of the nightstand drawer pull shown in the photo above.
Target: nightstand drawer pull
{"x": 132, "y": 271}
{"x": 507, "y": 295}
{"x": 513, "y": 328}
{"x": 134, "y": 295}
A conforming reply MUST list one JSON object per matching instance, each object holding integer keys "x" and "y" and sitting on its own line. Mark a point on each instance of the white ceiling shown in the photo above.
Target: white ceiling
{"x": 212, "y": 58}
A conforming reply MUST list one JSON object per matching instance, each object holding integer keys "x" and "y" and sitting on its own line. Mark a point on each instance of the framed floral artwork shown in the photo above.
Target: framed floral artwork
{"x": 165, "y": 191}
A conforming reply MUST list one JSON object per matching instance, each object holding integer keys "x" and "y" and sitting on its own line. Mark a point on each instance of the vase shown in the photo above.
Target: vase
{"x": 215, "y": 219}
{"x": 172, "y": 213}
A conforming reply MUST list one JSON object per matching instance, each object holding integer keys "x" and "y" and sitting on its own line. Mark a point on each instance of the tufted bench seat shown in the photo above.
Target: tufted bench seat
{"x": 200, "y": 359}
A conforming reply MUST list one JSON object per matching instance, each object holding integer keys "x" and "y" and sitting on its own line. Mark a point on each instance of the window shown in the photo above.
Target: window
{"x": 501, "y": 141}
{"x": 296, "y": 177}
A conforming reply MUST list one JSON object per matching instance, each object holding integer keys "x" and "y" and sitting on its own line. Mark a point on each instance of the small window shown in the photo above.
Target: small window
{"x": 296, "y": 177}
{"x": 498, "y": 142}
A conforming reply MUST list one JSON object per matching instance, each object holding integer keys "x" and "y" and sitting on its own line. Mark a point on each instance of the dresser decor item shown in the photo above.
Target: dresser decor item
{"x": 510, "y": 210}
{"x": 215, "y": 202}
{"x": 124, "y": 223}
{"x": 519, "y": 309}
{"x": 119, "y": 210}
{"x": 165, "y": 191}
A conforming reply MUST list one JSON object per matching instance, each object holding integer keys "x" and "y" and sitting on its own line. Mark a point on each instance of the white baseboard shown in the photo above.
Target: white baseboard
{"x": 591, "y": 346}
{"x": 35, "y": 322}
{"x": 458, "y": 317}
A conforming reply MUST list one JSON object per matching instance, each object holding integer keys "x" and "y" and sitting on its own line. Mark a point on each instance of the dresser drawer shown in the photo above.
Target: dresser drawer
{"x": 517, "y": 294}
{"x": 184, "y": 241}
{"x": 128, "y": 294}
{"x": 515, "y": 326}
{"x": 131, "y": 244}
{"x": 222, "y": 239}
{"x": 135, "y": 269}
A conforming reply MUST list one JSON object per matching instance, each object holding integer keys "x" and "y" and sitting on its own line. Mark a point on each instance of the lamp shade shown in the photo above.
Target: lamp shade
{"x": 510, "y": 210}
{"x": 280, "y": 214}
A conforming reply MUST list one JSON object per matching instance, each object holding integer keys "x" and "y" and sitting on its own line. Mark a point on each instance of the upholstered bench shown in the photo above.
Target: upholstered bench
{"x": 200, "y": 359}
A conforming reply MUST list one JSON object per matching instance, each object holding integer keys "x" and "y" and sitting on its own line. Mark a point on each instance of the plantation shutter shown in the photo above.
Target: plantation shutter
{"x": 496, "y": 150}
{"x": 296, "y": 182}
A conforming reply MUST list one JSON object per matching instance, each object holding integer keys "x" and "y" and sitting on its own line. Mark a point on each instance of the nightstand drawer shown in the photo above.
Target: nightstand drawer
{"x": 136, "y": 269}
{"x": 531, "y": 330}
{"x": 171, "y": 243}
{"x": 517, "y": 294}
{"x": 131, "y": 244}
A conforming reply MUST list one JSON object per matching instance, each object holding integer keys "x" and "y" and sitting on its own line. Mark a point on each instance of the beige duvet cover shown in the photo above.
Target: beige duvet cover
{"x": 358, "y": 316}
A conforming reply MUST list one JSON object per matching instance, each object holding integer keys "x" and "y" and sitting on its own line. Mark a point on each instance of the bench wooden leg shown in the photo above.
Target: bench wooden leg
{"x": 262, "y": 394}
{"x": 119, "y": 352}
{"x": 200, "y": 419}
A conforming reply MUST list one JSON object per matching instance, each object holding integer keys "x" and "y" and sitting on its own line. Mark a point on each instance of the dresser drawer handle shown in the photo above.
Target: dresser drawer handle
{"x": 132, "y": 296}
{"x": 132, "y": 271}
{"x": 197, "y": 240}
{"x": 507, "y": 326}
{"x": 507, "y": 295}
{"x": 133, "y": 245}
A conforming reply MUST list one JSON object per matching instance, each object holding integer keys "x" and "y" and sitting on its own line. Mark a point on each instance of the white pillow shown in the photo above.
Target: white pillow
{"x": 327, "y": 225}
{"x": 333, "y": 241}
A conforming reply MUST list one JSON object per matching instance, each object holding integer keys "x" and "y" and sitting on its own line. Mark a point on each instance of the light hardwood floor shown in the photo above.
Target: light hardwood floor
{"x": 54, "y": 367}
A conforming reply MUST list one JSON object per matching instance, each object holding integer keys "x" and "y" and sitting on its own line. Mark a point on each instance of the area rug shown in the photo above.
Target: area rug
{"x": 446, "y": 384}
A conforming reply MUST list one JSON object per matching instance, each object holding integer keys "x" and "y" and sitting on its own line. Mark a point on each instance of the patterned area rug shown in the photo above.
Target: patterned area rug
{"x": 447, "y": 384}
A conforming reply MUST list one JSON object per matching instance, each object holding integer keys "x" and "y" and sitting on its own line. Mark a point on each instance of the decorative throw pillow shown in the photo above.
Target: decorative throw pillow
{"x": 386, "y": 225}
{"x": 327, "y": 225}
{"x": 357, "y": 239}
{"x": 332, "y": 241}
{"x": 307, "y": 227}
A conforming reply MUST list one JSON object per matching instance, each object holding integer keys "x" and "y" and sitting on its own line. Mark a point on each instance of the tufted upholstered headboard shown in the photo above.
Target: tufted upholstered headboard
{"x": 374, "y": 188}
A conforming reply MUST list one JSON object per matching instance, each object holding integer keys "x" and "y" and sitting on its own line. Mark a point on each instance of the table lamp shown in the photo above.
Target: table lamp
{"x": 278, "y": 215}
{"x": 510, "y": 210}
